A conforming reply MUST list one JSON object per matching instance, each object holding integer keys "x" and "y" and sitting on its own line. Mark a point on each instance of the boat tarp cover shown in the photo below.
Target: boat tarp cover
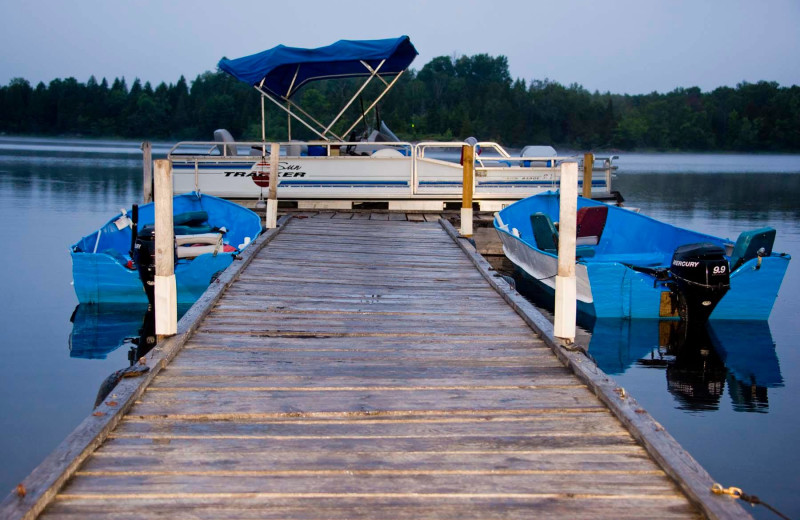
{"x": 277, "y": 66}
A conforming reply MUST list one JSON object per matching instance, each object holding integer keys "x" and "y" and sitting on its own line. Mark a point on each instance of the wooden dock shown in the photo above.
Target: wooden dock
{"x": 351, "y": 367}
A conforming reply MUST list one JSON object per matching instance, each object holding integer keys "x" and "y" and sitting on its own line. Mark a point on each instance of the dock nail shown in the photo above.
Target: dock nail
{"x": 21, "y": 491}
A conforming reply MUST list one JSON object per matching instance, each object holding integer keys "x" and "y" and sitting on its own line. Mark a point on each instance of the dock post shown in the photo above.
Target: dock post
{"x": 566, "y": 293}
{"x": 468, "y": 162}
{"x": 271, "y": 216}
{"x": 147, "y": 177}
{"x": 166, "y": 294}
{"x": 588, "y": 164}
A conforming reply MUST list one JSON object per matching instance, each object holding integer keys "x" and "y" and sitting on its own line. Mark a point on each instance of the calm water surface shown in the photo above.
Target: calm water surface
{"x": 733, "y": 408}
{"x": 736, "y": 408}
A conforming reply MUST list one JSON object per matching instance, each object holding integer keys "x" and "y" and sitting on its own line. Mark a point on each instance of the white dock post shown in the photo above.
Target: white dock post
{"x": 147, "y": 172}
{"x": 271, "y": 216}
{"x": 166, "y": 293}
{"x": 566, "y": 294}
{"x": 468, "y": 161}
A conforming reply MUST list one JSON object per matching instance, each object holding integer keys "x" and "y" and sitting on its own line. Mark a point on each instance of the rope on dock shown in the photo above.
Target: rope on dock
{"x": 736, "y": 492}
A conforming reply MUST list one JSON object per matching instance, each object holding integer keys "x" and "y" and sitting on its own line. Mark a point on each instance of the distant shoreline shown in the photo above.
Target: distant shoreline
{"x": 565, "y": 151}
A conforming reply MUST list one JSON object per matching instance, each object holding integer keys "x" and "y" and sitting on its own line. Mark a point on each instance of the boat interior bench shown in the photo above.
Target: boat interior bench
{"x": 194, "y": 245}
{"x": 590, "y": 223}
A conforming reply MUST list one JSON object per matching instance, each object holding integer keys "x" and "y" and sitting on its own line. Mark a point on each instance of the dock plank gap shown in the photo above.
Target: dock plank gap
{"x": 367, "y": 368}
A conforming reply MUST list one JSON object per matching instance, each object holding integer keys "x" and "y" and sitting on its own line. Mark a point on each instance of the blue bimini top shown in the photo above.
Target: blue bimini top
{"x": 284, "y": 70}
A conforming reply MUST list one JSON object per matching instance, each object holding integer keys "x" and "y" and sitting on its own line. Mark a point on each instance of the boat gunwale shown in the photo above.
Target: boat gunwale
{"x": 676, "y": 462}
{"x": 44, "y": 482}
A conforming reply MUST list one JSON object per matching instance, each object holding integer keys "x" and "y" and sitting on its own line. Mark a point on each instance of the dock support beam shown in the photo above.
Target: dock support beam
{"x": 566, "y": 293}
{"x": 147, "y": 172}
{"x": 271, "y": 217}
{"x": 588, "y": 164}
{"x": 468, "y": 162}
{"x": 166, "y": 293}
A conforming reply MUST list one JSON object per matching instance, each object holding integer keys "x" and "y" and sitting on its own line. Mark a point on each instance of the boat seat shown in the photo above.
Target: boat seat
{"x": 184, "y": 229}
{"x": 749, "y": 243}
{"x": 546, "y": 236}
{"x": 591, "y": 220}
{"x": 190, "y": 218}
{"x": 191, "y": 246}
{"x": 315, "y": 150}
{"x": 188, "y": 223}
{"x": 544, "y": 232}
{"x": 192, "y": 230}
{"x": 227, "y": 145}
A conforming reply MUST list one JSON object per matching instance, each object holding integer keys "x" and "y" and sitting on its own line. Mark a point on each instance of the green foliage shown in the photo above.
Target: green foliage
{"x": 450, "y": 98}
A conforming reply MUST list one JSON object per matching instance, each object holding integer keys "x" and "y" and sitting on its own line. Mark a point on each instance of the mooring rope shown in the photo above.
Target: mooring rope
{"x": 736, "y": 492}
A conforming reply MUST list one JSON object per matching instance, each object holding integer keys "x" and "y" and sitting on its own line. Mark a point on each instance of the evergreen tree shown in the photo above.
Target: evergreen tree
{"x": 451, "y": 97}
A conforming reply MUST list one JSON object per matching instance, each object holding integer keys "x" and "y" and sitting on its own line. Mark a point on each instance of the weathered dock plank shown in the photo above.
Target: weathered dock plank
{"x": 398, "y": 506}
{"x": 365, "y": 369}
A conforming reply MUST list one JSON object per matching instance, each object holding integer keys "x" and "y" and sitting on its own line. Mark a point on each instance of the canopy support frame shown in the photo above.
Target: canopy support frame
{"x": 286, "y": 109}
{"x": 289, "y": 116}
{"x": 286, "y": 104}
{"x": 372, "y": 74}
{"x": 362, "y": 116}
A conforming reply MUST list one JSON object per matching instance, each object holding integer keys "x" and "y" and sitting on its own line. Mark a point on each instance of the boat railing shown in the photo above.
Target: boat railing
{"x": 425, "y": 169}
{"x": 602, "y": 162}
{"x": 488, "y": 154}
{"x": 188, "y": 150}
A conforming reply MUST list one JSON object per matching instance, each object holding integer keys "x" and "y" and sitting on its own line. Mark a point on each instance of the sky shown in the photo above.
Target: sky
{"x": 618, "y": 46}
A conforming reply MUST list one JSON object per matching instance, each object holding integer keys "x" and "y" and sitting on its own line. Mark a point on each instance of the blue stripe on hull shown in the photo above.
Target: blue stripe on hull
{"x": 342, "y": 184}
{"x": 219, "y": 166}
{"x": 99, "y": 278}
{"x": 751, "y": 296}
{"x": 621, "y": 292}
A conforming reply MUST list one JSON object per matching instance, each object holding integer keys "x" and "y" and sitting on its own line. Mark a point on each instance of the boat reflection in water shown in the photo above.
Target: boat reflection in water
{"x": 99, "y": 330}
{"x": 698, "y": 362}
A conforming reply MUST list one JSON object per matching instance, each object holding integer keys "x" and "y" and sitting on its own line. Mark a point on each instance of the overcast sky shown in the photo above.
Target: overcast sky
{"x": 625, "y": 46}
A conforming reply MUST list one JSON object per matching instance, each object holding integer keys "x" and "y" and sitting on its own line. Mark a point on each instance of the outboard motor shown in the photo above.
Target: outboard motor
{"x": 702, "y": 277}
{"x": 144, "y": 256}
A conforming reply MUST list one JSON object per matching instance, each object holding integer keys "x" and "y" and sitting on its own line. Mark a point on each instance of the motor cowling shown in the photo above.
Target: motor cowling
{"x": 144, "y": 256}
{"x": 701, "y": 275}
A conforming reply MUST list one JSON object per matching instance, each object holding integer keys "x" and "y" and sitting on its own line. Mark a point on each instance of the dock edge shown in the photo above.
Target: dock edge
{"x": 45, "y": 481}
{"x": 676, "y": 462}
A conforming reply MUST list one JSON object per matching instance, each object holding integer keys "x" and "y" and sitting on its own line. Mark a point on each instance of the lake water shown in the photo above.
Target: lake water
{"x": 732, "y": 406}
{"x": 736, "y": 409}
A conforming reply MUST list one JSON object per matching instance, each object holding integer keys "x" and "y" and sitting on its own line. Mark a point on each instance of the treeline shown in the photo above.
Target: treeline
{"x": 449, "y": 98}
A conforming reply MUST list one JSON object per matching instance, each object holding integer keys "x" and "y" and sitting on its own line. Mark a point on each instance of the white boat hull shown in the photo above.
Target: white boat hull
{"x": 397, "y": 171}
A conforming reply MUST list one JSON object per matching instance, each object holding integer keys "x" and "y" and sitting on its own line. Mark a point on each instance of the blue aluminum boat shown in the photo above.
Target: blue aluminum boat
{"x": 209, "y": 232}
{"x": 629, "y": 265}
